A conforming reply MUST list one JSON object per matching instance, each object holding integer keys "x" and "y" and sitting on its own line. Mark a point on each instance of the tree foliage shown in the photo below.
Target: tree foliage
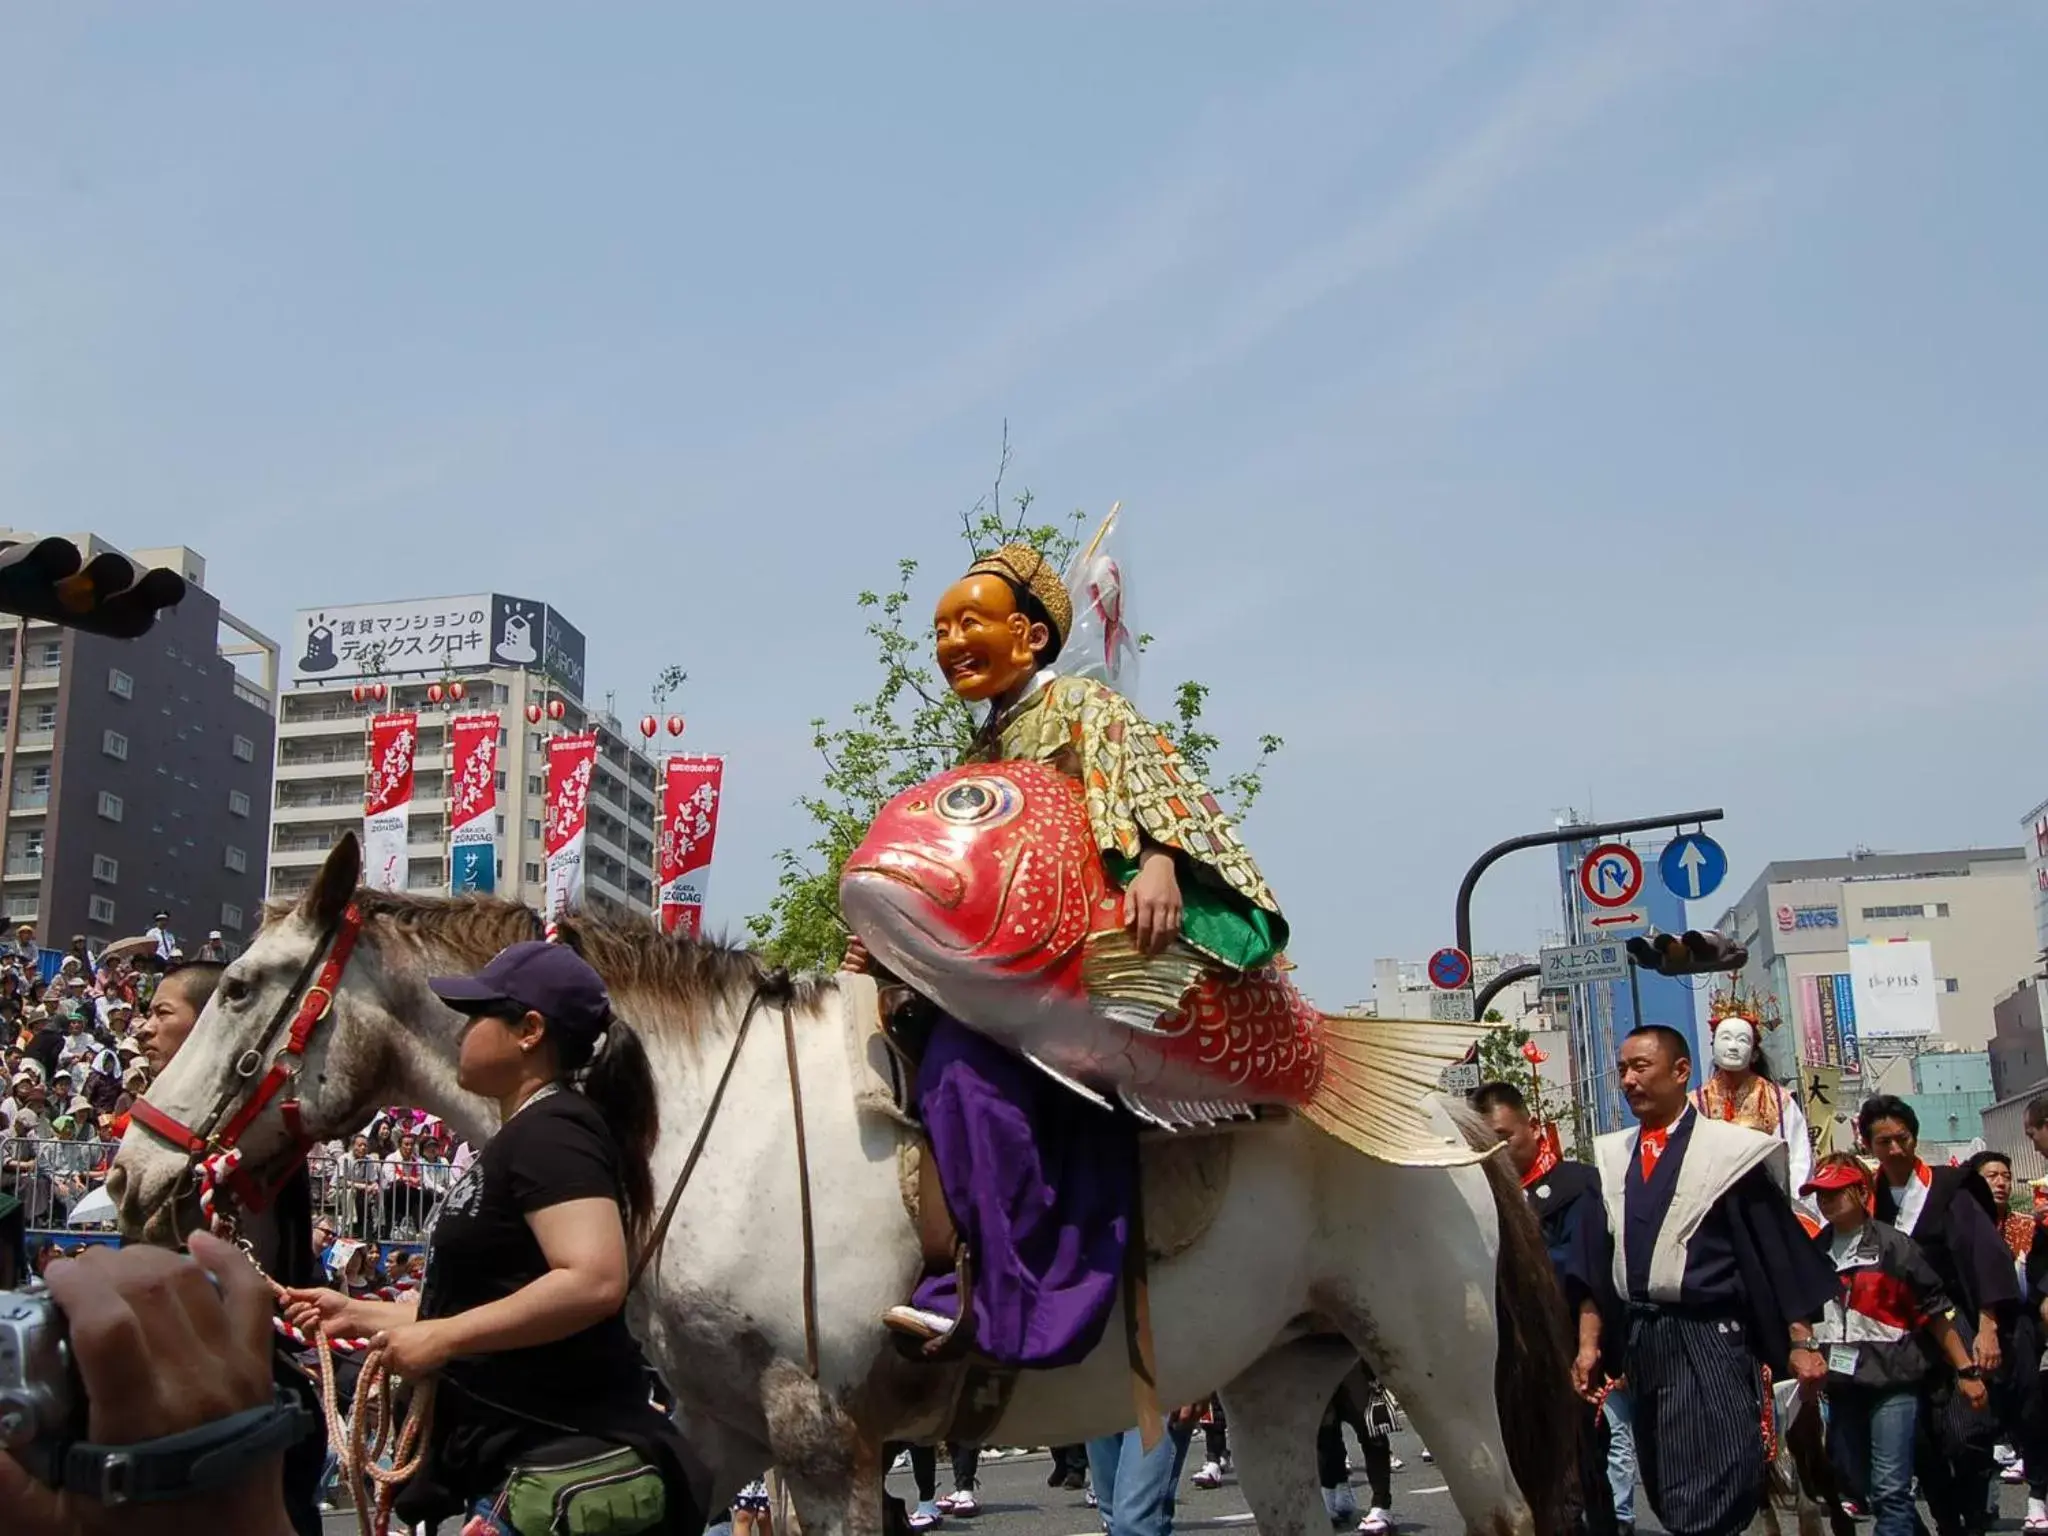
{"x": 913, "y": 727}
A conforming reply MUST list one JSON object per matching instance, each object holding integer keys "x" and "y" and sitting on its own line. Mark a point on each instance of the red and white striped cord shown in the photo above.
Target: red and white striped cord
{"x": 217, "y": 1170}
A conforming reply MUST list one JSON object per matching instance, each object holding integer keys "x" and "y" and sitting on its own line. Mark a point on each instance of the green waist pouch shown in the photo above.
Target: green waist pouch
{"x": 616, "y": 1493}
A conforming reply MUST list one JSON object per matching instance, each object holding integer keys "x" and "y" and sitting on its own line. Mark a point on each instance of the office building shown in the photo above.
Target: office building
{"x": 509, "y": 653}
{"x": 1882, "y": 955}
{"x": 135, "y": 774}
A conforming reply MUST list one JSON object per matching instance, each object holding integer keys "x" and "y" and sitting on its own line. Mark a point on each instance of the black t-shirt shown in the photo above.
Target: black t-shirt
{"x": 480, "y": 1249}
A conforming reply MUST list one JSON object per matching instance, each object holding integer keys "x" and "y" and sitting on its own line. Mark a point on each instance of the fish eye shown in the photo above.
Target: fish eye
{"x": 977, "y": 802}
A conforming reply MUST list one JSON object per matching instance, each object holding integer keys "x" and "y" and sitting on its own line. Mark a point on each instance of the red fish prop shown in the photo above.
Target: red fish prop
{"x": 984, "y": 890}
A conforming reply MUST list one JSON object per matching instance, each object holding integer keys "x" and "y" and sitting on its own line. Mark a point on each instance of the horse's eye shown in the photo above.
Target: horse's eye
{"x": 234, "y": 990}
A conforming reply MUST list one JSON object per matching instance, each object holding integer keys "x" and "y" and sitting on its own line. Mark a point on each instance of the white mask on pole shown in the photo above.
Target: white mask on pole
{"x": 1734, "y": 1045}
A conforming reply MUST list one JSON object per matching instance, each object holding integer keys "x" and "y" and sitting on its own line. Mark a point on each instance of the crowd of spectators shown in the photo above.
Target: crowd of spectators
{"x": 82, "y": 1038}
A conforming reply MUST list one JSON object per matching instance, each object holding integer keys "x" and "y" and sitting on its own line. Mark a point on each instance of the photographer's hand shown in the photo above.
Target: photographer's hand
{"x": 160, "y": 1350}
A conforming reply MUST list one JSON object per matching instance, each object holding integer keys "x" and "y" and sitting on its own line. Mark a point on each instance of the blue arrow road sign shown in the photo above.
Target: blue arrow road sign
{"x": 1693, "y": 866}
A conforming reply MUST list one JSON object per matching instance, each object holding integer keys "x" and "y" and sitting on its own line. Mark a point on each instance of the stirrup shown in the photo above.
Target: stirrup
{"x": 917, "y": 1323}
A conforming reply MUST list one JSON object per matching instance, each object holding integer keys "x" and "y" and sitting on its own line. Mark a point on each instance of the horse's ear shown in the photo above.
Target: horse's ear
{"x": 335, "y": 886}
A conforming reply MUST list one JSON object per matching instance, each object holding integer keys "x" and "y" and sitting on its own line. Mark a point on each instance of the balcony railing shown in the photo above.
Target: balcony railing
{"x": 36, "y": 739}
{"x": 29, "y": 800}
{"x": 24, "y": 869}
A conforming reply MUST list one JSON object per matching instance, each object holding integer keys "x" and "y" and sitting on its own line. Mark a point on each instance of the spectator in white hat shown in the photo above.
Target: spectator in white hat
{"x": 215, "y": 949}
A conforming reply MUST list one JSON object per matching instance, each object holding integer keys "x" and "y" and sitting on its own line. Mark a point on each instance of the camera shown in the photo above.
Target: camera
{"x": 41, "y": 1402}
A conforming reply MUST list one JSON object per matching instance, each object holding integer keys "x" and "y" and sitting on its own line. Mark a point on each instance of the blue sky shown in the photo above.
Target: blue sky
{"x": 1629, "y": 408}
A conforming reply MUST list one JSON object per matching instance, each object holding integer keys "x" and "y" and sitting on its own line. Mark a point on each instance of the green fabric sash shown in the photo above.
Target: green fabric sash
{"x": 1214, "y": 918}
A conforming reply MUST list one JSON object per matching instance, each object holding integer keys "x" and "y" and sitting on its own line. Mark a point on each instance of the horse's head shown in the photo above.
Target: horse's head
{"x": 293, "y": 1049}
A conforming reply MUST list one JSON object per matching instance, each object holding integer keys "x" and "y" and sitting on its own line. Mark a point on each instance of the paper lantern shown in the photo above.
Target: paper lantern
{"x": 533, "y": 714}
{"x": 648, "y": 726}
{"x": 435, "y": 693}
{"x": 359, "y": 693}
{"x": 557, "y": 709}
{"x": 675, "y": 725}
{"x": 377, "y": 692}
{"x": 456, "y": 690}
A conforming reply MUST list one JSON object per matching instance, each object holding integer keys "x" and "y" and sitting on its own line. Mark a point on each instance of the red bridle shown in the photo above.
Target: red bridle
{"x": 306, "y": 1007}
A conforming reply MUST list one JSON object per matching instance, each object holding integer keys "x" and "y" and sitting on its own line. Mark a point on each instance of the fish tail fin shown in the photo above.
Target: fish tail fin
{"x": 1377, "y": 1078}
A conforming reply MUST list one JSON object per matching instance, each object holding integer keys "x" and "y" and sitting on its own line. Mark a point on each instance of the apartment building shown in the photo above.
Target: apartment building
{"x": 508, "y": 653}
{"x": 135, "y": 774}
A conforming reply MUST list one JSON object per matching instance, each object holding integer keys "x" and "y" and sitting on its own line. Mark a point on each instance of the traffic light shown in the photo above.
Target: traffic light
{"x": 1691, "y": 953}
{"x": 49, "y": 581}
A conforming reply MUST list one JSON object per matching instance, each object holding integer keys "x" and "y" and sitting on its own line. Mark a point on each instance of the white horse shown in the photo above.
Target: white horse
{"x": 1315, "y": 1256}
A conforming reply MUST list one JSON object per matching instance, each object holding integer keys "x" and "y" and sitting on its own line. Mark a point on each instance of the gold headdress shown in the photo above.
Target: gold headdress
{"x": 1733, "y": 1003}
{"x": 1034, "y": 573}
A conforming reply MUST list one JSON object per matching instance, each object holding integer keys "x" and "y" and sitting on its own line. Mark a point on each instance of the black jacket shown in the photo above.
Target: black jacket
{"x": 1958, "y": 1232}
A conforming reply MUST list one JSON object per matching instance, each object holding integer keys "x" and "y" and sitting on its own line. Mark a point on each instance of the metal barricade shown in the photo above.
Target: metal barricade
{"x": 377, "y": 1200}
{"x": 49, "y": 1177}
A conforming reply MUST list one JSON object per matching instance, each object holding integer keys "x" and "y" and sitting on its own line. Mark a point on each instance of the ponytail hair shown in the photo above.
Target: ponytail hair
{"x": 612, "y": 1071}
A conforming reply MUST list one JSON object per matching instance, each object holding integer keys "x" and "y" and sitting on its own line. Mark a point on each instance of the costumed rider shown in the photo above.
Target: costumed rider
{"x": 1719, "y": 1280}
{"x": 1739, "y": 1093}
{"x": 1040, "y": 1182}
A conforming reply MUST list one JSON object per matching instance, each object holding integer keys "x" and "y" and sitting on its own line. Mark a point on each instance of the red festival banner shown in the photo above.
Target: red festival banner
{"x": 387, "y": 799}
{"x": 571, "y": 761}
{"x": 473, "y": 805}
{"x": 689, "y": 829}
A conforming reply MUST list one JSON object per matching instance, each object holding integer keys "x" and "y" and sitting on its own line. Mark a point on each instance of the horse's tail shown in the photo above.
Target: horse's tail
{"x": 1540, "y": 1416}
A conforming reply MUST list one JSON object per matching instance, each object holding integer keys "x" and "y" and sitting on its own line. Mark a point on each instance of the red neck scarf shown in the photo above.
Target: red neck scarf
{"x": 1651, "y": 1145}
{"x": 1547, "y": 1157}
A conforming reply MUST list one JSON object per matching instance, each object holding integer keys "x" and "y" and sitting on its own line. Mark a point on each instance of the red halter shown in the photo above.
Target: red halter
{"x": 305, "y": 1007}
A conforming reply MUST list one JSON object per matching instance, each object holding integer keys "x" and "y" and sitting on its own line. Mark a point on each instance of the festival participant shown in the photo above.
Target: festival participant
{"x": 1360, "y": 1402}
{"x": 522, "y": 1315}
{"x": 1565, "y": 1197}
{"x": 1740, "y": 1093}
{"x": 2016, "y": 1227}
{"x": 1948, "y": 1213}
{"x": 2029, "y": 1340}
{"x": 180, "y": 998}
{"x": 1135, "y": 1488}
{"x": 1890, "y": 1305}
{"x": 1047, "y": 1250}
{"x": 1718, "y": 1277}
{"x": 282, "y": 1243}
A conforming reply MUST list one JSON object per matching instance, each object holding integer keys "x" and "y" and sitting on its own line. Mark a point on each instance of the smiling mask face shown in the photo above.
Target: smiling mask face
{"x": 1734, "y": 1045}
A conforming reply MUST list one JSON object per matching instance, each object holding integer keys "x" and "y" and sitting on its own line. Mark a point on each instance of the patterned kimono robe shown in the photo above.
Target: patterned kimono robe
{"x": 1137, "y": 787}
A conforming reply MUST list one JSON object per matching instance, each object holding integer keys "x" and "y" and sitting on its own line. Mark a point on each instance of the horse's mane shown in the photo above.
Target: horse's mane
{"x": 688, "y": 976}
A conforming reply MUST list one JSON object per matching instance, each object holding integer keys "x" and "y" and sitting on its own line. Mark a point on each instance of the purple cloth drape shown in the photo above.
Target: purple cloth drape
{"x": 1040, "y": 1183}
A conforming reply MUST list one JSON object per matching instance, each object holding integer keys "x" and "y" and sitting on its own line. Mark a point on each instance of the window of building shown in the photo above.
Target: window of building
{"x": 236, "y": 860}
{"x": 503, "y": 781}
{"x": 533, "y": 826}
{"x": 231, "y": 916}
{"x": 44, "y": 718}
{"x": 35, "y": 780}
{"x": 238, "y": 803}
{"x": 532, "y": 874}
{"x": 536, "y": 785}
{"x": 245, "y": 750}
{"x": 100, "y": 909}
{"x": 49, "y": 654}
{"x": 1950, "y": 984}
{"x": 105, "y": 870}
{"x": 110, "y": 806}
{"x": 114, "y": 744}
{"x": 120, "y": 684}
{"x": 21, "y": 909}
{"x": 1941, "y": 909}
{"x": 1885, "y": 914}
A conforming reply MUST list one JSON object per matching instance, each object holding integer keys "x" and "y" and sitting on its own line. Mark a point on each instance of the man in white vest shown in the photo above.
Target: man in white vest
{"x": 1720, "y": 1283}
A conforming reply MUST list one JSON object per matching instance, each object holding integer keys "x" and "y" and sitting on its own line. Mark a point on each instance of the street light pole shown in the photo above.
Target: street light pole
{"x": 1550, "y": 839}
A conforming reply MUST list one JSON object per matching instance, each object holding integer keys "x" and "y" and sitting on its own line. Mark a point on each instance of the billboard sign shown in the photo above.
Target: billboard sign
{"x": 431, "y": 636}
{"x": 1893, "y": 988}
{"x": 428, "y": 635}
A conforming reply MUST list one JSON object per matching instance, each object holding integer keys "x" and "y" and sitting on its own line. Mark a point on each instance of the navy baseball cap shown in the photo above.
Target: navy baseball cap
{"x": 551, "y": 980}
